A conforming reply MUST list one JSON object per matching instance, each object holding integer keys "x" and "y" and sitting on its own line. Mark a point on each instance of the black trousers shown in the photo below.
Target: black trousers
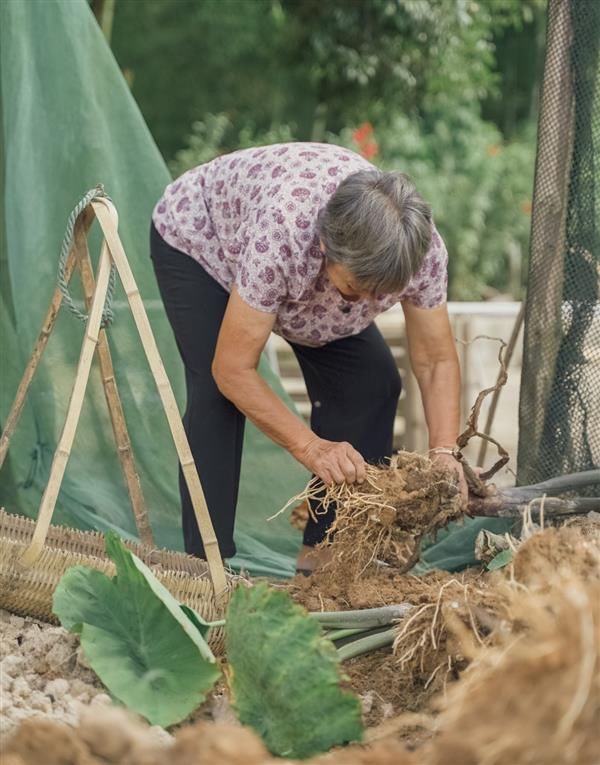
{"x": 353, "y": 385}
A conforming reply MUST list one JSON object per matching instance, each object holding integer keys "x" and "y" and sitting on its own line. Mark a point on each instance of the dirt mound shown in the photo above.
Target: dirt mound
{"x": 427, "y": 651}
{"x": 571, "y": 549}
{"x": 328, "y": 590}
{"x": 454, "y": 615}
{"x": 535, "y": 696}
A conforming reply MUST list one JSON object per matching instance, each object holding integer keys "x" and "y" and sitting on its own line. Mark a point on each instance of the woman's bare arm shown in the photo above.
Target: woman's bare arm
{"x": 243, "y": 335}
{"x": 434, "y": 361}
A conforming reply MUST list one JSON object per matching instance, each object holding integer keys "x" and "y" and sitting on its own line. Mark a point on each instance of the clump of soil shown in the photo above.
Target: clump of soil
{"x": 569, "y": 549}
{"x": 385, "y": 518}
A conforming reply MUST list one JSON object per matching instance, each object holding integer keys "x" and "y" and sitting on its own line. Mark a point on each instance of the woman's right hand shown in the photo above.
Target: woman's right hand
{"x": 332, "y": 461}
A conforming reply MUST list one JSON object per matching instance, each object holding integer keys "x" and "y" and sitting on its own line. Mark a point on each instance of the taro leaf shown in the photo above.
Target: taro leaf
{"x": 285, "y": 676}
{"x": 148, "y": 653}
{"x": 202, "y": 625}
{"x": 502, "y": 559}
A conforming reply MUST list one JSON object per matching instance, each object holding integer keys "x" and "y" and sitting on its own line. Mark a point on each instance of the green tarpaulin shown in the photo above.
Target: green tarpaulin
{"x": 69, "y": 122}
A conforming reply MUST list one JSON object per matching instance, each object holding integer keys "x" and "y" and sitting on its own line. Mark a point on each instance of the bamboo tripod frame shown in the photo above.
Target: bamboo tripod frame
{"x": 95, "y": 339}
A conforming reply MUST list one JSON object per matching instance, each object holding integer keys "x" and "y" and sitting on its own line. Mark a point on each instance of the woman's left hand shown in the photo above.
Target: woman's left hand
{"x": 448, "y": 461}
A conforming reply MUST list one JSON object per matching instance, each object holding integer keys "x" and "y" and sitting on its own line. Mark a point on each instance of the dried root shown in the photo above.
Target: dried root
{"x": 449, "y": 627}
{"x": 386, "y": 518}
{"x": 534, "y": 696}
{"x": 441, "y": 636}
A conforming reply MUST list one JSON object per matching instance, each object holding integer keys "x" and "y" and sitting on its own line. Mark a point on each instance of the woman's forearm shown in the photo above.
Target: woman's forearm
{"x": 254, "y": 398}
{"x": 440, "y": 390}
{"x": 244, "y": 332}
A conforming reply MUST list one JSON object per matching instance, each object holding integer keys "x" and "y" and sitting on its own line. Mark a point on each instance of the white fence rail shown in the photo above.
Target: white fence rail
{"x": 479, "y": 366}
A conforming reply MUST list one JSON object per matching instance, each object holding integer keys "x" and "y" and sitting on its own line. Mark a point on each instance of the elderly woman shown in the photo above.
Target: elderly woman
{"x": 312, "y": 242}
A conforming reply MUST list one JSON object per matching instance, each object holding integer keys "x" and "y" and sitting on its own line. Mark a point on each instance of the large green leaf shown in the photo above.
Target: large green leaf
{"x": 285, "y": 676}
{"x": 148, "y": 653}
{"x": 202, "y": 625}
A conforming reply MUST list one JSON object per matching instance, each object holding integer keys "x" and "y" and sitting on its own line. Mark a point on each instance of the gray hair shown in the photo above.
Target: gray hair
{"x": 378, "y": 227}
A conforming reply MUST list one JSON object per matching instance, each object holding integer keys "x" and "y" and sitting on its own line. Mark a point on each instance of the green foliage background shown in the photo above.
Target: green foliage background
{"x": 449, "y": 86}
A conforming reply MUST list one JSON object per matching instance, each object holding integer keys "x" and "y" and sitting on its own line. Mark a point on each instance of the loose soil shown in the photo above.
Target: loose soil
{"x": 522, "y": 646}
{"x": 385, "y": 686}
{"x": 384, "y": 691}
{"x": 330, "y": 590}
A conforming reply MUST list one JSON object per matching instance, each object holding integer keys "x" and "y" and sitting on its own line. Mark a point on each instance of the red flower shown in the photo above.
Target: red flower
{"x": 526, "y": 206}
{"x": 369, "y": 150}
{"x": 363, "y": 133}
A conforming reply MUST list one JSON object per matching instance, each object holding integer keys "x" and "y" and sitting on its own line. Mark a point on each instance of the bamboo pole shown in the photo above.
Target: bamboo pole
{"x": 107, "y": 218}
{"x": 40, "y": 346}
{"x": 104, "y": 11}
{"x": 63, "y": 450}
{"x": 111, "y": 392}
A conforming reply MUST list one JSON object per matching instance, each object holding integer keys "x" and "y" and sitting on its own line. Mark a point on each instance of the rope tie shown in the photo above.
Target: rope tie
{"x": 107, "y": 312}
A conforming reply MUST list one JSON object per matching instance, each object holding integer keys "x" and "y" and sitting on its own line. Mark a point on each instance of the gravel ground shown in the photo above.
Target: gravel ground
{"x": 43, "y": 673}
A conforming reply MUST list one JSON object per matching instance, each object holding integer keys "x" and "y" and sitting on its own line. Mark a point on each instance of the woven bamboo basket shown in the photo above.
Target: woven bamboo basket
{"x": 34, "y": 554}
{"x": 28, "y": 590}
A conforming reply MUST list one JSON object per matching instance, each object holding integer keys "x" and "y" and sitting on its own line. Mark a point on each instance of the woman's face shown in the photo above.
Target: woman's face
{"x": 343, "y": 280}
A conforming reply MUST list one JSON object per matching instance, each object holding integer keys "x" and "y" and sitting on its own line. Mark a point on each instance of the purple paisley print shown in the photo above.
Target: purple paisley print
{"x": 249, "y": 218}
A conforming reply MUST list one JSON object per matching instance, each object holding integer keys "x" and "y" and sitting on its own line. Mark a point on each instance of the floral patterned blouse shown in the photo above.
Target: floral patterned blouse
{"x": 249, "y": 218}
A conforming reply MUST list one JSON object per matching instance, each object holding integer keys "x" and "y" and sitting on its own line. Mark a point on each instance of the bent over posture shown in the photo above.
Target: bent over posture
{"x": 312, "y": 242}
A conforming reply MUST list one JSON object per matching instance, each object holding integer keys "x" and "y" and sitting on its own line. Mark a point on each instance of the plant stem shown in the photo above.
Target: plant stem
{"x": 339, "y": 634}
{"x": 364, "y": 619}
{"x": 367, "y": 644}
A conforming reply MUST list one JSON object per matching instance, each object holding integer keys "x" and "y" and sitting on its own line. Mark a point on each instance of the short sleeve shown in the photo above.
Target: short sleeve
{"x": 265, "y": 267}
{"x": 429, "y": 287}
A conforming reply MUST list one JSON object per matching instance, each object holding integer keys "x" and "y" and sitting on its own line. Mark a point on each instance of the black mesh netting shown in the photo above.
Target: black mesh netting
{"x": 559, "y": 415}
